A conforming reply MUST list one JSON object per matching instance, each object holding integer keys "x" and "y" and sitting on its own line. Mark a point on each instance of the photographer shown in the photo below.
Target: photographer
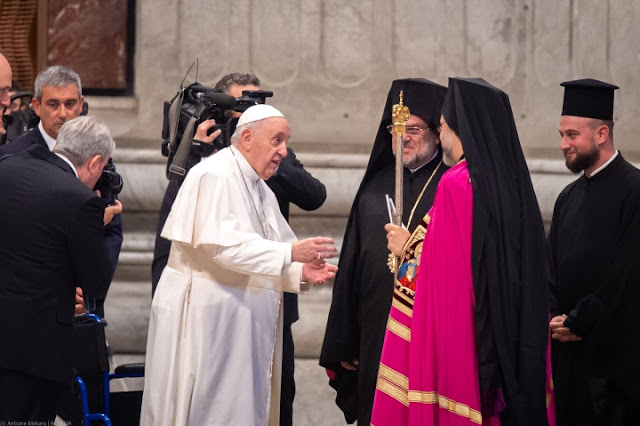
{"x": 291, "y": 183}
{"x": 58, "y": 99}
{"x": 51, "y": 242}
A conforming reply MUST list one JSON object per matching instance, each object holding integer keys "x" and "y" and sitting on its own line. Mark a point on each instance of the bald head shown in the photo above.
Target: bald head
{"x": 5, "y": 81}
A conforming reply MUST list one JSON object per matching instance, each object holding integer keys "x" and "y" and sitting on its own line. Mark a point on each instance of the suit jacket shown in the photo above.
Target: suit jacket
{"x": 24, "y": 142}
{"x": 112, "y": 231}
{"x": 293, "y": 184}
{"x": 51, "y": 240}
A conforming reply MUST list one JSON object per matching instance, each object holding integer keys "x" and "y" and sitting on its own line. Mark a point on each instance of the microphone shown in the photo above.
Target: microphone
{"x": 218, "y": 98}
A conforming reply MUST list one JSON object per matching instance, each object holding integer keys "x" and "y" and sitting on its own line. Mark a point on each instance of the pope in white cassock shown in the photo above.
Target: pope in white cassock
{"x": 215, "y": 332}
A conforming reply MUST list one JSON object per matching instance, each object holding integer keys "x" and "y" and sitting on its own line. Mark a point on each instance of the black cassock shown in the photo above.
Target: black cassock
{"x": 363, "y": 287}
{"x": 595, "y": 251}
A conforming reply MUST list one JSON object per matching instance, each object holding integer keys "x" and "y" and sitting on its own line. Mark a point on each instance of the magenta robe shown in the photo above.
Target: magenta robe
{"x": 429, "y": 371}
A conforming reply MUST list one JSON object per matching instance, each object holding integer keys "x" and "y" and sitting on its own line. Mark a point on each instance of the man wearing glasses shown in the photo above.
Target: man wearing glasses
{"x": 363, "y": 287}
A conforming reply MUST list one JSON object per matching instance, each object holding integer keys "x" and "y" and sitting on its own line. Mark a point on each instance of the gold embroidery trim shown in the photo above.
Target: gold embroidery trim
{"x": 404, "y": 293}
{"x": 415, "y": 237}
{"x": 393, "y": 392}
{"x": 462, "y": 410}
{"x": 402, "y": 307}
{"x": 400, "y": 380}
{"x": 398, "y": 329}
{"x": 393, "y": 384}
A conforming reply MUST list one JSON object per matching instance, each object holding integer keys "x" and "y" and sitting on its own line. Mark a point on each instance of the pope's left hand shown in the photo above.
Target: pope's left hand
{"x": 318, "y": 274}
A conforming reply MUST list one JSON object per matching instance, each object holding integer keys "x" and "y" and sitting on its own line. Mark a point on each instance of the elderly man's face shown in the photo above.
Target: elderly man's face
{"x": 58, "y": 105}
{"x": 420, "y": 143}
{"x": 451, "y": 144}
{"x": 267, "y": 145}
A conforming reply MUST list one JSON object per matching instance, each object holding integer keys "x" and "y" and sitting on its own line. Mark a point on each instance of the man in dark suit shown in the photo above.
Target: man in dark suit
{"x": 51, "y": 240}
{"x": 58, "y": 99}
{"x": 291, "y": 184}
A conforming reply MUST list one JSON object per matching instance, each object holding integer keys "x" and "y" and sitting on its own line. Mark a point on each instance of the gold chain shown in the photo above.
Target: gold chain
{"x": 392, "y": 260}
{"x": 413, "y": 210}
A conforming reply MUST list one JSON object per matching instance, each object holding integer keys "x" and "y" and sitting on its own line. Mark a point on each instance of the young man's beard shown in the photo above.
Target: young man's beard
{"x": 583, "y": 160}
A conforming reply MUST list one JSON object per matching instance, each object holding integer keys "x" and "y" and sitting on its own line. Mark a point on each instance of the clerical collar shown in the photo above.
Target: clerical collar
{"x": 599, "y": 169}
{"x": 48, "y": 139}
{"x": 66, "y": 160}
{"x": 247, "y": 171}
{"x": 419, "y": 167}
{"x": 252, "y": 180}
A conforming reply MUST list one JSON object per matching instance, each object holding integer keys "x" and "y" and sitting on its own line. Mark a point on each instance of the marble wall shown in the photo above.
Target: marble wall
{"x": 91, "y": 38}
{"x": 330, "y": 64}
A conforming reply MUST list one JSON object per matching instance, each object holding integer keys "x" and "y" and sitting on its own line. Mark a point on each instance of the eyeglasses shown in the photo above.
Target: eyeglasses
{"x": 410, "y": 130}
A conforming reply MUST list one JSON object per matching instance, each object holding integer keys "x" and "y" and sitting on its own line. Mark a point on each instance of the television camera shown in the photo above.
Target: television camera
{"x": 190, "y": 107}
{"x": 109, "y": 183}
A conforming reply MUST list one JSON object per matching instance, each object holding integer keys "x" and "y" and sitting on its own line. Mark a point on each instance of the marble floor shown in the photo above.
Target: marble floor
{"x": 314, "y": 403}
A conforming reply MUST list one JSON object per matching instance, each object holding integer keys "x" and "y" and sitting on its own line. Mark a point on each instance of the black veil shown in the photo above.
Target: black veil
{"x": 508, "y": 254}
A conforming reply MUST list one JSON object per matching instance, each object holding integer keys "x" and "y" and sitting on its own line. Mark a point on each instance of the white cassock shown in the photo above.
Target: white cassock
{"x": 215, "y": 332}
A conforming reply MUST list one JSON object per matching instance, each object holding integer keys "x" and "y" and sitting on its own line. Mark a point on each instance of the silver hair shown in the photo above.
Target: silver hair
{"x": 82, "y": 138}
{"x": 56, "y": 76}
{"x": 235, "y": 138}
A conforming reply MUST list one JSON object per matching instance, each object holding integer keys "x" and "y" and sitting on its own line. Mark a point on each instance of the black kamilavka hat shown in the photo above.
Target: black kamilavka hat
{"x": 588, "y": 98}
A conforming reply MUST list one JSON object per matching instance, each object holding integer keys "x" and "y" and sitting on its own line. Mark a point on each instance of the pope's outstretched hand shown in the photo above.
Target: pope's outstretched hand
{"x": 318, "y": 274}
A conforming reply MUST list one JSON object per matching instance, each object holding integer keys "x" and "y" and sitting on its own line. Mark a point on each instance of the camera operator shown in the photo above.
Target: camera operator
{"x": 17, "y": 102}
{"x": 58, "y": 99}
{"x": 18, "y": 117}
{"x": 291, "y": 183}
